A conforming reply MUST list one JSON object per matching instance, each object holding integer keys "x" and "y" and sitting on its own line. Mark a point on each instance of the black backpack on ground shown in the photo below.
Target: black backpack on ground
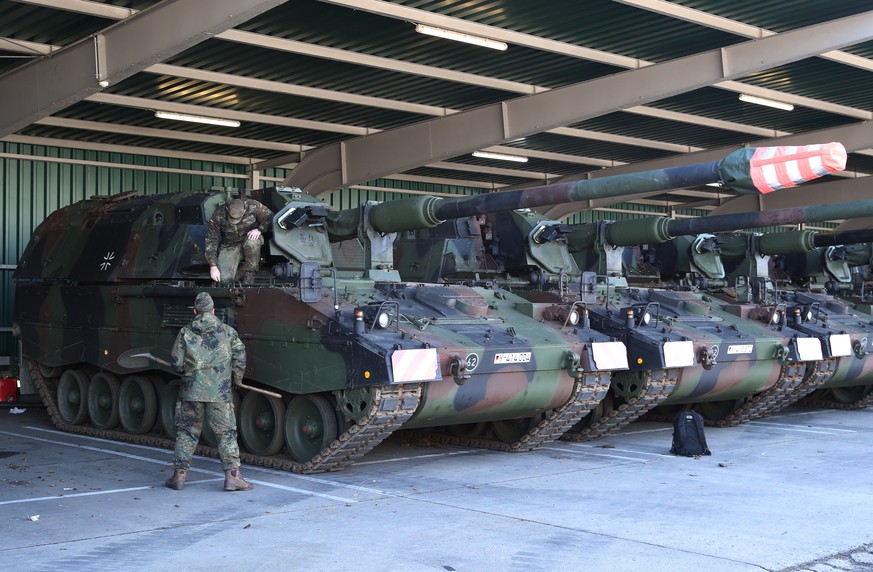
{"x": 688, "y": 437}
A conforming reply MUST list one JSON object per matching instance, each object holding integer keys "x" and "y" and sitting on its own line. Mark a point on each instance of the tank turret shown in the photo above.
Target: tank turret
{"x": 831, "y": 262}
{"x": 353, "y": 352}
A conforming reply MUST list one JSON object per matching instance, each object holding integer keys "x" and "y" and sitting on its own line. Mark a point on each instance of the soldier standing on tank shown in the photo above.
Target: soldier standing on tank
{"x": 210, "y": 354}
{"x": 234, "y": 232}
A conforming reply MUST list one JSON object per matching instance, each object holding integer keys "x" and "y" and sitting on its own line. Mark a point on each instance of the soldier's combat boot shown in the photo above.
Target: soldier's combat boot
{"x": 177, "y": 481}
{"x": 233, "y": 481}
{"x": 248, "y": 278}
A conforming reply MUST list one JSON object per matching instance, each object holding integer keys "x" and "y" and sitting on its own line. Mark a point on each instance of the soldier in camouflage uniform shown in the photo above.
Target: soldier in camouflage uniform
{"x": 234, "y": 232}
{"x": 209, "y": 353}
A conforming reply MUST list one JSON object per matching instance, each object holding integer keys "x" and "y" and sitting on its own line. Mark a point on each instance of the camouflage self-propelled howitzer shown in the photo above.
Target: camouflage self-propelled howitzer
{"x": 813, "y": 274}
{"x": 730, "y": 273}
{"x": 353, "y": 352}
{"x": 673, "y": 338}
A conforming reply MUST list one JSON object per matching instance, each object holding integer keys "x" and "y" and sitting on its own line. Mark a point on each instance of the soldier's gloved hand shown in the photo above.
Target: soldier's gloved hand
{"x": 253, "y": 234}
{"x": 215, "y": 273}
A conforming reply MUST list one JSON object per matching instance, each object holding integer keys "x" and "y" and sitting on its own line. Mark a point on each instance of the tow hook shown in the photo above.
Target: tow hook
{"x": 458, "y": 369}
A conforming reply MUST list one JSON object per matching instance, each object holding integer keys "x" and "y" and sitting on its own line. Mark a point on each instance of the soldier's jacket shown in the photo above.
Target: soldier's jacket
{"x": 221, "y": 231}
{"x": 208, "y": 352}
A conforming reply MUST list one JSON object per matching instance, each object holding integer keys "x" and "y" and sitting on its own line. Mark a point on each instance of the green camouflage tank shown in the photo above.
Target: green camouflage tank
{"x": 737, "y": 273}
{"x": 341, "y": 352}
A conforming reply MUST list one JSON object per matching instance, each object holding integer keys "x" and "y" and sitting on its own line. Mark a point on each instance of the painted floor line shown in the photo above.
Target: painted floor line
{"x": 416, "y": 457}
{"x": 157, "y": 462}
{"x": 658, "y": 430}
{"x": 267, "y": 470}
{"x": 624, "y": 450}
{"x": 98, "y": 439}
{"x": 595, "y": 454}
{"x": 61, "y": 496}
{"x": 795, "y": 429}
{"x": 805, "y": 427}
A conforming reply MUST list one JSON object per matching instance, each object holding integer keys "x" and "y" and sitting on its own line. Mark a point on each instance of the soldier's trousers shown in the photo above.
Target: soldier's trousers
{"x": 189, "y": 424}
{"x": 249, "y": 251}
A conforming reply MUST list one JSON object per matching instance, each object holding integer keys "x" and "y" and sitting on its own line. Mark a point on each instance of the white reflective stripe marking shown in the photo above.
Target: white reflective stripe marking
{"x": 795, "y": 429}
{"x": 769, "y": 172}
{"x": 609, "y": 355}
{"x": 678, "y": 354}
{"x": 592, "y": 453}
{"x": 415, "y": 365}
{"x": 417, "y": 457}
{"x": 841, "y": 345}
{"x": 809, "y": 349}
{"x": 792, "y": 168}
{"x": 817, "y": 165}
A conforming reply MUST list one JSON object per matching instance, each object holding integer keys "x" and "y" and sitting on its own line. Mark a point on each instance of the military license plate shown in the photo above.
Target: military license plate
{"x": 519, "y": 357}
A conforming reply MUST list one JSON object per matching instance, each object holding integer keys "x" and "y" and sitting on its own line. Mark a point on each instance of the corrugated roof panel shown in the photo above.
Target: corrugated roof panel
{"x": 220, "y": 96}
{"x": 333, "y": 75}
{"x": 192, "y": 145}
{"x": 725, "y": 105}
{"x": 598, "y": 24}
{"x": 779, "y": 15}
{"x": 656, "y": 129}
{"x": 820, "y": 79}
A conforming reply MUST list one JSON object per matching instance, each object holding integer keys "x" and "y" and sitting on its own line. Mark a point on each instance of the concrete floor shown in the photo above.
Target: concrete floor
{"x": 794, "y": 491}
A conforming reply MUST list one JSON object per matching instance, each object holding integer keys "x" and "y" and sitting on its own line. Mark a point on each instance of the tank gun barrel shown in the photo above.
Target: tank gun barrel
{"x": 658, "y": 229}
{"x": 800, "y": 241}
{"x": 859, "y": 236}
{"x": 749, "y": 170}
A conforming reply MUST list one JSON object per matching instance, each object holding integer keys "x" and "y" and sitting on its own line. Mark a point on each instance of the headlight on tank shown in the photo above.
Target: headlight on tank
{"x": 645, "y": 318}
{"x": 573, "y": 317}
{"x": 383, "y": 319}
{"x": 775, "y": 317}
{"x": 378, "y": 316}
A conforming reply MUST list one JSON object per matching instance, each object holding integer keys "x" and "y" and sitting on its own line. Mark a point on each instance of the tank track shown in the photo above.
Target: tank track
{"x": 816, "y": 401}
{"x": 795, "y": 381}
{"x": 588, "y": 391}
{"x": 391, "y": 406}
{"x": 657, "y": 386}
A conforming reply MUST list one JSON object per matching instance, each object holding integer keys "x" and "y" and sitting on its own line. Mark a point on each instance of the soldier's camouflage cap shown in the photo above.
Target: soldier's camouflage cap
{"x": 203, "y": 302}
{"x": 235, "y": 210}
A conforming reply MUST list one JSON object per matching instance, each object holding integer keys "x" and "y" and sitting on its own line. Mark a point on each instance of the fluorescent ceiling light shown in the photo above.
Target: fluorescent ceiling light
{"x": 197, "y": 119}
{"x": 459, "y": 37}
{"x": 499, "y": 156}
{"x": 768, "y": 102}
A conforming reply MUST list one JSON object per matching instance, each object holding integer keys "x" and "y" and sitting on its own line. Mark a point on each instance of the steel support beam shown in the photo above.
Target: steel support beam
{"x": 71, "y": 74}
{"x": 841, "y": 191}
{"x": 366, "y": 158}
{"x": 856, "y": 224}
{"x": 854, "y": 137}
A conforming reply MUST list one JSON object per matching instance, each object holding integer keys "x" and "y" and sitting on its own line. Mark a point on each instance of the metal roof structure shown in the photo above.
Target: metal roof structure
{"x": 350, "y": 92}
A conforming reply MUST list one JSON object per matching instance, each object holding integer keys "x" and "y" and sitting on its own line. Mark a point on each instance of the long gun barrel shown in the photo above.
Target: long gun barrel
{"x": 750, "y": 170}
{"x": 658, "y": 229}
{"x": 860, "y": 236}
{"x": 801, "y": 241}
